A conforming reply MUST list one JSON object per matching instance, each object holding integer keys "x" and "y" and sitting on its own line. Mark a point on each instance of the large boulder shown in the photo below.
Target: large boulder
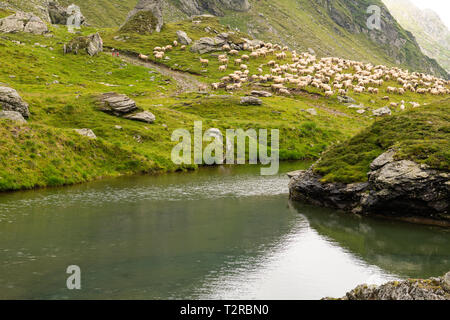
{"x": 145, "y": 18}
{"x": 395, "y": 188}
{"x": 183, "y": 38}
{"x": 23, "y": 22}
{"x": 10, "y": 100}
{"x": 12, "y": 115}
{"x": 385, "y": 111}
{"x": 92, "y": 44}
{"x": 250, "y": 101}
{"x": 59, "y": 14}
{"x": 208, "y": 44}
{"x": 144, "y": 116}
{"x": 117, "y": 104}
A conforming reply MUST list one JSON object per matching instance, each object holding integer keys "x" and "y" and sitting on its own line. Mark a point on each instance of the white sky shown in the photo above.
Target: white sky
{"x": 441, "y": 7}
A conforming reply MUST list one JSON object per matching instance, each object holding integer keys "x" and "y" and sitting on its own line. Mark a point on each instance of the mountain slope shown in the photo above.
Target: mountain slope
{"x": 431, "y": 33}
{"x": 329, "y": 27}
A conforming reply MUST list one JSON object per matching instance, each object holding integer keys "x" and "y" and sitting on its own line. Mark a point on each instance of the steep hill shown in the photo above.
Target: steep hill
{"x": 431, "y": 33}
{"x": 328, "y": 27}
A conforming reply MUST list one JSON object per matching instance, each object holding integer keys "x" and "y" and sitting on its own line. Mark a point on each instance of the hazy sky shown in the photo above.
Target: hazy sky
{"x": 441, "y": 7}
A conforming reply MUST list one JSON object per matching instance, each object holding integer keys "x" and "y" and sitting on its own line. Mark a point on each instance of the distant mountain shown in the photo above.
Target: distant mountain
{"x": 327, "y": 27}
{"x": 431, "y": 33}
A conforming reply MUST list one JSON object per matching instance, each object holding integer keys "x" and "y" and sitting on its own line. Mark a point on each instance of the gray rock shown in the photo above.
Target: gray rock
{"x": 382, "y": 112}
{"x": 183, "y": 38}
{"x": 87, "y": 133}
{"x": 23, "y": 22}
{"x": 10, "y": 100}
{"x": 12, "y": 115}
{"x": 264, "y": 94}
{"x": 446, "y": 282}
{"x": 117, "y": 104}
{"x": 59, "y": 15}
{"x": 145, "y": 116}
{"x": 250, "y": 101}
{"x": 92, "y": 44}
{"x": 207, "y": 44}
{"x": 346, "y": 99}
{"x": 400, "y": 188}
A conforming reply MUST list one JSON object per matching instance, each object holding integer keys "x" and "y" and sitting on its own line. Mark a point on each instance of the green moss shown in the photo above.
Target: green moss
{"x": 143, "y": 22}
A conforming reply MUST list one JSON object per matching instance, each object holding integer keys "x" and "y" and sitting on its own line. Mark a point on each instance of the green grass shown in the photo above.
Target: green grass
{"x": 62, "y": 91}
{"x": 421, "y": 135}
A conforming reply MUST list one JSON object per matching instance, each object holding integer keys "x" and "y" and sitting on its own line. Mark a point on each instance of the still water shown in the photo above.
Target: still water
{"x": 219, "y": 233}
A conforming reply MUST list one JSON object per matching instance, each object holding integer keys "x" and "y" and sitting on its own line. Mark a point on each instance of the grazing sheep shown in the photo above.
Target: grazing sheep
{"x": 143, "y": 57}
{"x": 183, "y": 47}
{"x": 175, "y": 43}
{"x": 204, "y": 62}
{"x": 234, "y": 52}
{"x": 223, "y": 68}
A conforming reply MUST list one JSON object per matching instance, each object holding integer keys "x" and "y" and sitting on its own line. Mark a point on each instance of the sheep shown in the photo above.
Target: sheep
{"x": 175, "y": 43}
{"x": 215, "y": 86}
{"x": 183, "y": 47}
{"x": 234, "y": 52}
{"x": 243, "y": 67}
{"x": 245, "y": 57}
{"x": 204, "y": 62}
{"x": 226, "y": 47}
{"x": 143, "y": 57}
{"x": 329, "y": 93}
{"x": 223, "y": 68}
{"x": 237, "y": 62}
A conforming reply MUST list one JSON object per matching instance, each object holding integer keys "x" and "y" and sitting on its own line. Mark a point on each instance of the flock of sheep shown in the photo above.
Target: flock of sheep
{"x": 331, "y": 75}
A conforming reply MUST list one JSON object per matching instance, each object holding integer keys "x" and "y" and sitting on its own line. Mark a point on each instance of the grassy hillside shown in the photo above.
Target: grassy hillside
{"x": 62, "y": 91}
{"x": 421, "y": 135}
{"x": 330, "y": 28}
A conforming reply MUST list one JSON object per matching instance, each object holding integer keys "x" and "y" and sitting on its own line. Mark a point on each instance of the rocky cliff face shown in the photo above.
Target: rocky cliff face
{"x": 145, "y": 17}
{"x": 426, "y": 26}
{"x": 216, "y": 7}
{"x": 396, "y": 42}
{"x": 395, "y": 189}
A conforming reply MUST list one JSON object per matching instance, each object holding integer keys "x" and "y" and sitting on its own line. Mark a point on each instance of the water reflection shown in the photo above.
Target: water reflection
{"x": 217, "y": 233}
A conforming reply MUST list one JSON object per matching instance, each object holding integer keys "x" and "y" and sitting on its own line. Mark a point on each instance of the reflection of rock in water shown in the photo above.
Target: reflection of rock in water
{"x": 405, "y": 249}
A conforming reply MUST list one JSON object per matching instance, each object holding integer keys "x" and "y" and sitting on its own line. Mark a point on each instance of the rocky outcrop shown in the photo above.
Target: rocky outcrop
{"x": 121, "y": 105}
{"x": 411, "y": 289}
{"x": 385, "y": 111}
{"x": 12, "y": 115}
{"x": 144, "y": 116}
{"x": 10, "y": 100}
{"x": 59, "y": 15}
{"x": 117, "y": 104}
{"x": 264, "y": 94}
{"x": 208, "y": 44}
{"x": 23, "y": 22}
{"x": 145, "y": 18}
{"x": 395, "y": 188}
{"x": 92, "y": 44}
{"x": 183, "y": 38}
{"x": 250, "y": 101}
{"x": 215, "y": 7}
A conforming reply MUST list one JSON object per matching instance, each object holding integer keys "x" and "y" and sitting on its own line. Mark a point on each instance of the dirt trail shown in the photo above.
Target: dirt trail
{"x": 186, "y": 82}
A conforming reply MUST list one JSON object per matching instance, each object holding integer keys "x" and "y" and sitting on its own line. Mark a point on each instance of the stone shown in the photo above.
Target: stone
{"x": 250, "y": 101}
{"x": 59, "y": 14}
{"x": 146, "y": 17}
{"x": 346, "y": 99}
{"x": 207, "y": 44}
{"x": 12, "y": 115}
{"x": 23, "y": 22}
{"x": 92, "y": 44}
{"x": 264, "y": 94}
{"x": 10, "y": 100}
{"x": 410, "y": 289}
{"x": 382, "y": 112}
{"x": 312, "y": 111}
{"x": 117, "y": 104}
{"x": 183, "y": 38}
{"x": 87, "y": 133}
{"x": 446, "y": 282}
{"x": 144, "y": 116}
{"x": 400, "y": 188}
